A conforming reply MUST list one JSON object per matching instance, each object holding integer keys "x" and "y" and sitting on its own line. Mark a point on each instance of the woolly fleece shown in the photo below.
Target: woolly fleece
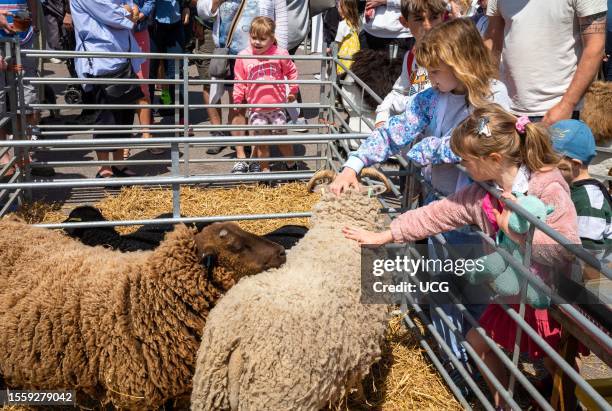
{"x": 296, "y": 337}
{"x": 120, "y": 327}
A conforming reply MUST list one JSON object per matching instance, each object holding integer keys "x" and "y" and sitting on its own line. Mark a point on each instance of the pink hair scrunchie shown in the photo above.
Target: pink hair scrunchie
{"x": 521, "y": 122}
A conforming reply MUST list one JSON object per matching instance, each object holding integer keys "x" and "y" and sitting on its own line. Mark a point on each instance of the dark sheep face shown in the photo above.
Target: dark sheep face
{"x": 239, "y": 251}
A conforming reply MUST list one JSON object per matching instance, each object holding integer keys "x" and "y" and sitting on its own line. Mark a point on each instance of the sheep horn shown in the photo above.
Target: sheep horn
{"x": 321, "y": 176}
{"x": 374, "y": 174}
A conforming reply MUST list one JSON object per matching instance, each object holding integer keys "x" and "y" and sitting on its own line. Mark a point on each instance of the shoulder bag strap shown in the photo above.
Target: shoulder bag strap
{"x": 230, "y": 35}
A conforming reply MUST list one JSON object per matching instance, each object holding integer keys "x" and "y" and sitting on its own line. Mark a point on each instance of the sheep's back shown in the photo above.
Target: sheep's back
{"x": 48, "y": 283}
{"x": 303, "y": 334}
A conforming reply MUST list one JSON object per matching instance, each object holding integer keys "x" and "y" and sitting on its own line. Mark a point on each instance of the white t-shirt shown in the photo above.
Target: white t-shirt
{"x": 343, "y": 31}
{"x": 385, "y": 23}
{"x": 541, "y": 49}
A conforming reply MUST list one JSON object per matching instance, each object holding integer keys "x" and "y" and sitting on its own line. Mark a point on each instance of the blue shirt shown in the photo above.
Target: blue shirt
{"x": 147, "y": 7}
{"x": 167, "y": 11}
{"x": 15, "y": 5}
{"x": 102, "y": 25}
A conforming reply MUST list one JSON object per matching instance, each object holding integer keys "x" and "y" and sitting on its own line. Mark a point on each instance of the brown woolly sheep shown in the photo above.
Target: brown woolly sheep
{"x": 122, "y": 328}
{"x": 595, "y": 113}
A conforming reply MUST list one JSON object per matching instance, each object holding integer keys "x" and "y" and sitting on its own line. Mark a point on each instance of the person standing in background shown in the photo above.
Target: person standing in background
{"x": 383, "y": 28}
{"x": 547, "y": 79}
{"x": 223, "y": 13}
{"x": 106, "y": 26}
{"x": 141, "y": 33}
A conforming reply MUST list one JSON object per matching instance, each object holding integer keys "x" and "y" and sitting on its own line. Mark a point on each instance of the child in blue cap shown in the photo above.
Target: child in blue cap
{"x": 575, "y": 142}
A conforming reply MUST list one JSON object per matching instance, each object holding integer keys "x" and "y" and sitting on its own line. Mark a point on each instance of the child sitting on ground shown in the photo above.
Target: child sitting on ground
{"x": 263, "y": 43}
{"x": 419, "y": 16}
{"x": 575, "y": 142}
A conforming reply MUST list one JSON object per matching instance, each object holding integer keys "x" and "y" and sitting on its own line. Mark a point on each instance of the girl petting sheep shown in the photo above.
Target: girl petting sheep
{"x": 462, "y": 76}
{"x": 518, "y": 156}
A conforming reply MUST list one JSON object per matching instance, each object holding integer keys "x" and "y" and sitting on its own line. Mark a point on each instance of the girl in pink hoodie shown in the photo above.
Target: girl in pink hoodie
{"x": 518, "y": 156}
{"x": 263, "y": 43}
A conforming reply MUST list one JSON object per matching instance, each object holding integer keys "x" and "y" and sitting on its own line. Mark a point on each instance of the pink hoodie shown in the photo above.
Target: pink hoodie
{"x": 466, "y": 208}
{"x": 264, "y": 69}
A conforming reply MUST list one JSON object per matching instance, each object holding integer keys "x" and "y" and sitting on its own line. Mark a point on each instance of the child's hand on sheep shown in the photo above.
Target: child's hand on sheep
{"x": 367, "y": 237}
{"x": 345, "y": 180}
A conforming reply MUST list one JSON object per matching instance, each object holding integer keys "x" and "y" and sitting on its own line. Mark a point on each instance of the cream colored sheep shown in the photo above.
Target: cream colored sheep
{"x": 297, "y": 337}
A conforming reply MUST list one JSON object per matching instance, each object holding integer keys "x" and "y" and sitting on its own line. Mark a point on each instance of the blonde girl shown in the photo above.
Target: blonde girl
{"x": 461, "y": 73}
{"x": 347, "y": 35}
{"x": 518, "y": 157}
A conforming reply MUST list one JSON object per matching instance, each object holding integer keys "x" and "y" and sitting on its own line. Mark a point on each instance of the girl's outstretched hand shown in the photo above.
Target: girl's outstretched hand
{"x": 343, "y": 181}
{"x": 367, "y": 237}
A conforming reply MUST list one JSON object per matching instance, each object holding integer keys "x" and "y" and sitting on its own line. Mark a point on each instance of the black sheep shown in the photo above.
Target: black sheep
{"x": 150, "y": 236}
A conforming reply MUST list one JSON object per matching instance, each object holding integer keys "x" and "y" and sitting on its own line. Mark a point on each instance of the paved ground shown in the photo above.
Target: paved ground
{"x": 310, "y": 93}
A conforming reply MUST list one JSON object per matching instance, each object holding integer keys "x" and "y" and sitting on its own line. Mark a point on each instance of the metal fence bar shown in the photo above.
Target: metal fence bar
{"x": 226, "y": 140}
{"x": 171, "y": 106}
{"x": 192, "y": 81}
{"x": 92, "y": 163}
{"x": 127, "y": 181}
{"x": 175, "y": 220}
{"x": 156, "y": 56}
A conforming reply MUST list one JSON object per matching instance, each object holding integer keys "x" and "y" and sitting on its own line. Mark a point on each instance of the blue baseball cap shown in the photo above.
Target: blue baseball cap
{"x": 574, "y": 139}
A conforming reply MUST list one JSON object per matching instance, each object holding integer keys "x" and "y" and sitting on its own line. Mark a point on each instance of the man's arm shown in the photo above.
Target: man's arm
{"x": 494, "y": 37}
{"x": 593, "y": 33}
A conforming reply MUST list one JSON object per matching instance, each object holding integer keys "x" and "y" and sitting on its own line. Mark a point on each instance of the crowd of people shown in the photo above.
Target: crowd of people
{"x": 495, "y": 85}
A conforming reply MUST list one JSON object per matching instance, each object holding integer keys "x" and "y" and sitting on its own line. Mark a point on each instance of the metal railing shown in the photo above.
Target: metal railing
{"x": 331, "y": 141}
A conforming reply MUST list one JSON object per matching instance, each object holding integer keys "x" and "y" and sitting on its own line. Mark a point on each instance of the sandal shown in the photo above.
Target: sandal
{"x": 123, "y": 172}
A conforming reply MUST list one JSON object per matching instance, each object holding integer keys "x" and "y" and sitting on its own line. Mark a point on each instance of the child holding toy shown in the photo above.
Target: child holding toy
{"x": 518, "y": 157}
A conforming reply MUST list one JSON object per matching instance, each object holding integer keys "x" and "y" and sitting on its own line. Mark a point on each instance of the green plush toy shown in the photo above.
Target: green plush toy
{"x": 504, "y": 278}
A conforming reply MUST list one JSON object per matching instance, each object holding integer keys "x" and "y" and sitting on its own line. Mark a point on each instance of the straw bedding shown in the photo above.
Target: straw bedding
{"x": 403, "y": 380}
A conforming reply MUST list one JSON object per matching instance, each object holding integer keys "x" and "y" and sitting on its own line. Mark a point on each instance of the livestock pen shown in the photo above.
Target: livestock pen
{"x": 326, "y": 146}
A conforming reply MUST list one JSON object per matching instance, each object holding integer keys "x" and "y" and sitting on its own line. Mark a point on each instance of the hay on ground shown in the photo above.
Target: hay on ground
{"x": 404, "y": 379}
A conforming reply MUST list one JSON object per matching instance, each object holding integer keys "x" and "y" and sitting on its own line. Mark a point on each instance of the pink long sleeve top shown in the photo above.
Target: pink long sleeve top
{"x": 466, "y": 208}
{"x": 264, "y": 69}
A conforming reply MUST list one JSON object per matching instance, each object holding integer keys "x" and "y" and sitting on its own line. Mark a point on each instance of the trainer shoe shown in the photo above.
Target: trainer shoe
{"x": 301, "y": 121}
{"x": 254, "y": 167}
{"x": 216, "y": 149}
{"x": 240, "y": 167}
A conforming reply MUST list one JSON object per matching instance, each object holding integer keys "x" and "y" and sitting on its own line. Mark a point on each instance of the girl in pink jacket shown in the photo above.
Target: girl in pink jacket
{"x": 518, "y": 156}
{"x": 263, "y": 43}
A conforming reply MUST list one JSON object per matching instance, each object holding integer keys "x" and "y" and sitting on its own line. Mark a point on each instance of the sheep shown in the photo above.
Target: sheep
{"x": 376, "y": 69}
{"x": 149, "y": 237}
{"x": 595, "y": 113}
{"x": 296, "y": 337}
{"x": 119, "y": 327}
